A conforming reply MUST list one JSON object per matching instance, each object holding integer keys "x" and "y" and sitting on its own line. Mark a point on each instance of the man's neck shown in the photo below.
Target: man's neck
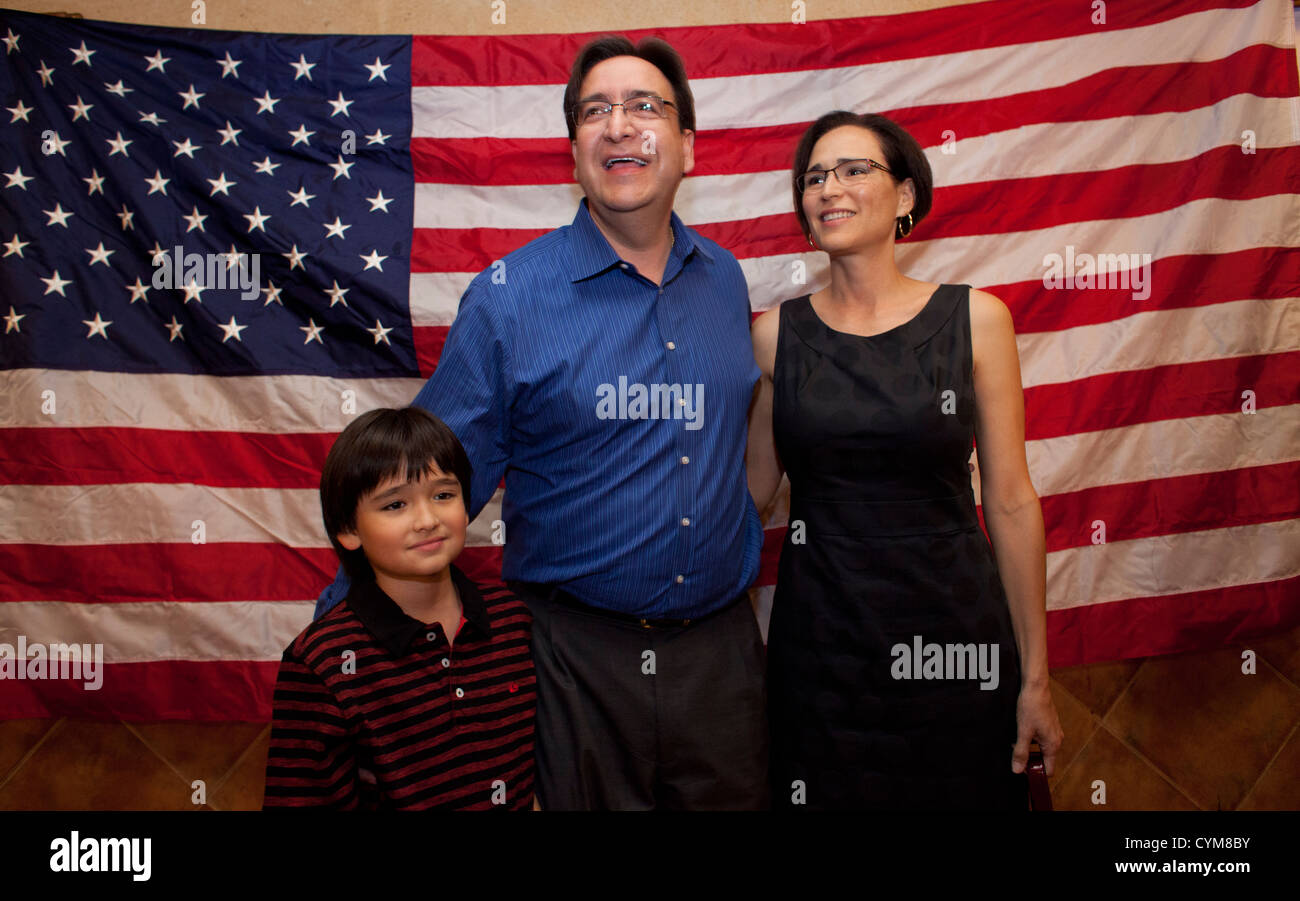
{"x": 643, "y": 237}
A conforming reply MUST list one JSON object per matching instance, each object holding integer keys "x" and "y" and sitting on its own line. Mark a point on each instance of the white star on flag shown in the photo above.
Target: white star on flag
{"x": 302, "y": 67}
{"x": 98, "y": 326}
{"x": 81, "y": 54}
{"x": 55, "y": 285}
{"x": 99, "y": 255}
{"x": 311, "y": 328}
{"x": 232, "y": 330}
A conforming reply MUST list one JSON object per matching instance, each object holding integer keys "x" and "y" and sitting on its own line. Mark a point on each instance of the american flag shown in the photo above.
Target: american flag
{"x": 161, "y": 446}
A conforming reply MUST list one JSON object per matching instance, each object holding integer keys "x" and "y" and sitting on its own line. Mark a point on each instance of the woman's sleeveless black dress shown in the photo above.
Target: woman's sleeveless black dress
{"x": 889, "y": 615}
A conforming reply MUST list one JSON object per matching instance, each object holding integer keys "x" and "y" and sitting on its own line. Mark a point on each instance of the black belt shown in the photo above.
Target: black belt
{"x": 565, "y": 599}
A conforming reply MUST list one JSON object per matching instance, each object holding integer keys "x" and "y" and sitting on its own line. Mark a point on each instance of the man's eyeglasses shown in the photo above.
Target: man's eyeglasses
{"x": 646, "y": 107}
{"x": 849, "y": 172}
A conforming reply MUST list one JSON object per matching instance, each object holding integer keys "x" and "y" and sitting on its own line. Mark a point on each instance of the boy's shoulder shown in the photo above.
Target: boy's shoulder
{"x": 328, "y": 635}
{"x": 504, "y": 607}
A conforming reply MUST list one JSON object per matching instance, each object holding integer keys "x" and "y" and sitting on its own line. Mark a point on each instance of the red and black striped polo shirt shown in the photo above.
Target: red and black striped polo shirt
{"x": 374, "y": 709}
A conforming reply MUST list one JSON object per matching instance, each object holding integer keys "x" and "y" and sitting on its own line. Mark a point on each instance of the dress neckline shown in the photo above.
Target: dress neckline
{"x": 902, "y": 325}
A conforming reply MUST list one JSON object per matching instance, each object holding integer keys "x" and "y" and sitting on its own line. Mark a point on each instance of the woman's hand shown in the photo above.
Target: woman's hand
{"x": 1036, "y": 719}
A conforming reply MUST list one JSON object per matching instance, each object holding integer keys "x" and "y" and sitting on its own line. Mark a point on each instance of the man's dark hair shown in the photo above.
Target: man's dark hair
{"x": 903, "y": 155}
{"x": 377, "y": 446}
{"x": 656, "y": 51}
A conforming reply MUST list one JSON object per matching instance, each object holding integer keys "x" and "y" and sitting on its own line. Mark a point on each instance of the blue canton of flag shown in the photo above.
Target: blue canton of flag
{"x": 188, "y": 201}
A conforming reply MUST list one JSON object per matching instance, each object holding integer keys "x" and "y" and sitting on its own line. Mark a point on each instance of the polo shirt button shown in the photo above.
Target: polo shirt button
{"x": 685, "y": 460}
{"x": 671, "y": 345}
{"x": 445, "y": 663}
{"x": 460, "y": 692}
{"x": 622, "y": 265}
{"x": 431, "y": 636}
{"x": 686, "y": 520}
{"x": 681, "y": 579}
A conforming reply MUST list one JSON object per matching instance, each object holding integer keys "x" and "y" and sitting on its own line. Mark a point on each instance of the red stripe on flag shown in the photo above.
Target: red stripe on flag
{"x": 1179, "y": 282}
{"x": 729, "y": 50}
{"x": 1162, "y": 392}
{"x": 111, "y": 456}
{"x": 1130, "y": 91}
{"x": 136, "y": 573}
{"x": 197, "y": 691}
{"x": 1026, "y": 204}
{"x": 1172, "y": 623}
{"x": 183, "y": 573}
{"x": 1212, "y": 500}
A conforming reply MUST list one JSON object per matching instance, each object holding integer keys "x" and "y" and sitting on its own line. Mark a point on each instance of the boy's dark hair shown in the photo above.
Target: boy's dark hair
{"x": 375, "y": 447}
{"x": 902, "y": 154}
{"x": 656, "y": 51}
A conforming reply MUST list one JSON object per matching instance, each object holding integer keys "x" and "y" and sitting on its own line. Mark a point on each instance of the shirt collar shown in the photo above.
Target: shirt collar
{"x": 592, "y": 253}
{"x": 394, "y": 628}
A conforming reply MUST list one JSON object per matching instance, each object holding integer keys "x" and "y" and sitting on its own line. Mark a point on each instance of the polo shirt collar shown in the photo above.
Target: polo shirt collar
{"x": 392, "y": 627}
{"x": 592, "y": 253}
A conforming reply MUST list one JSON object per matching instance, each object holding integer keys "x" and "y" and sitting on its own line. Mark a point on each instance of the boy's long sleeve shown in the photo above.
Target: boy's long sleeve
{"x": 312, "y": 760}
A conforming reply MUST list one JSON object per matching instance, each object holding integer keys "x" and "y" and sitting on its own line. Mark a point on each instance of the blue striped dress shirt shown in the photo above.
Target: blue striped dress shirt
{"x": 616, "y": 410}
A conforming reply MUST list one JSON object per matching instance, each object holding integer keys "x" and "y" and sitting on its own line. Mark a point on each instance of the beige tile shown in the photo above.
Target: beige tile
{"x": 1077, "y": 722}
{"x": 17, "y": 737}
{"x": 1097, "y": 685}
{"x": 1279, "y": 787}
{"x": 204, "y": 751}
{"x": 1129, "y": 782}
{"x": 94, "y": 766}
{"x": 244, "y": 787}
{"x": 1282, "y": 651}
{"x": 1205, "y": 724}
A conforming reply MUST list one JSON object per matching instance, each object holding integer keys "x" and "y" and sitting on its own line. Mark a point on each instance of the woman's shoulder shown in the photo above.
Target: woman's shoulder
{"x": 987, "y": 312}
{"x": 765, "y": 331}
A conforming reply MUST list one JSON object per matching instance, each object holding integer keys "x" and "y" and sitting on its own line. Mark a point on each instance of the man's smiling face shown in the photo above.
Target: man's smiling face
{"x": 626, "y": 164}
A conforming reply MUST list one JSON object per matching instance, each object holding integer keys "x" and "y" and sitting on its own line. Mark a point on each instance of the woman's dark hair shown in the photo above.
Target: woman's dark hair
{"x": 656, "y": 51}
{"x": 903, "y": 155}
{"x": 375, "y": 447}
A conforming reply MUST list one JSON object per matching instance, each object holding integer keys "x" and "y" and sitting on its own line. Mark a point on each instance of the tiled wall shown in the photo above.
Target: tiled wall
{"x": 1184, "y": 732}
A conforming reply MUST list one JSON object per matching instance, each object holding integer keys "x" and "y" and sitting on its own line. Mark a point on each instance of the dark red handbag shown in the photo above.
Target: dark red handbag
{"x": 1040, "y": 794}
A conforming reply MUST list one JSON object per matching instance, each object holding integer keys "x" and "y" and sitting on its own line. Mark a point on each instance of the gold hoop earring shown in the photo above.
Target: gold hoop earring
{"x": 899, "y": 226}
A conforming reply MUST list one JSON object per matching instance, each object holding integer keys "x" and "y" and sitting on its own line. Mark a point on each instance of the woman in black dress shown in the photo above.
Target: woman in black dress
{"x": 907, "y": 659}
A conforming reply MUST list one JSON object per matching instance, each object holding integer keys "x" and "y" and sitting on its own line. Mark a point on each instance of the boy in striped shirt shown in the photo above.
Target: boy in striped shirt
{"x": 418, "y": 691}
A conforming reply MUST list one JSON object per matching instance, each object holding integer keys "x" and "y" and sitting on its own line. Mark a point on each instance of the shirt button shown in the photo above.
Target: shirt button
{"x": 460, "y": 692}
{"x": 431, "y": 636}
{"x": 445, "y": 663}
{"x": 686, "y": 520}
{"x": 671, "y": 345}
{"x": 681, "y": 579}
{"x": 685, "y": 460}
{"x": 622, "y": 265}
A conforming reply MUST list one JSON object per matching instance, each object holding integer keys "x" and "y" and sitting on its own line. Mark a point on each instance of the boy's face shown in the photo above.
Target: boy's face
{"x": 411, "y": 530}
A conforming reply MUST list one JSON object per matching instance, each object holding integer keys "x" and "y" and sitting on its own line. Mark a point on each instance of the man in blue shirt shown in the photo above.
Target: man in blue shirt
{"x": 605, "y": 369}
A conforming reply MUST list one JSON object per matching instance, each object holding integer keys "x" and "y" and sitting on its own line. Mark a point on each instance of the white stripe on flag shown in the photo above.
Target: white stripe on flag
{"x": 164, "y": 630}
{"x": 134, "y": 513}
{"x": 1173, "y": 564}
{"x": 1043, "y": 150}
{"x": 1161, "y": 338}
{"x": 302, "y": 403}
{"x": 778, "y": 98}
{"x": 1164, "y": 449}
